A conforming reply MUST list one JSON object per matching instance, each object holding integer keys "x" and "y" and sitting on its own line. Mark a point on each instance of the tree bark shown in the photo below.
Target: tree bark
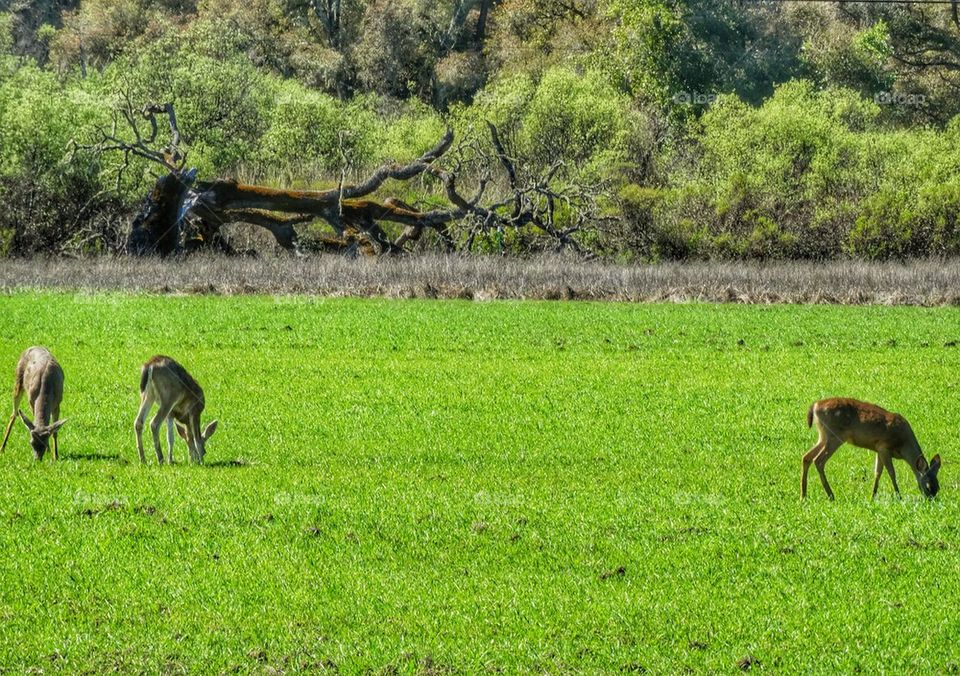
{"x": 172, "y": 202}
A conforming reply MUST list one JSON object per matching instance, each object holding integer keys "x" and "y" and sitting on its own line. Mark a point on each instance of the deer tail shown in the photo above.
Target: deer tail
{"x": 810, "y": 415}
{"x": 145, "y": 374}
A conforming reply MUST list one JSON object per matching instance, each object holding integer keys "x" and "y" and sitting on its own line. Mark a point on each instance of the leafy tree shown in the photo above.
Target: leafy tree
{"x": 220, "y": 96}
{"x": 392, "y": 55}
{"x": 682, "y": 52}
{"x": 907, "y": 57}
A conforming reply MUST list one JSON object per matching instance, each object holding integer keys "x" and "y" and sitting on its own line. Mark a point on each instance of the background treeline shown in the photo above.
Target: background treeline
{"x": 705, "y": 128}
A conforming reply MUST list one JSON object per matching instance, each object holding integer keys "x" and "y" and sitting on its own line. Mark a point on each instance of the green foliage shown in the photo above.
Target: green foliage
{"x": 856, "y": 60}
{"x": 46, "y": 32}
{"x": 574, "y": 116}
{"x": 640, "y": 49}
{"x": 763, "y": 131}
{"x": 36, "y": 122}
{"x": 392, "y": 56}
{"x": 404, "y": 131}
{"x": 98, "y": 31}
{"x": 6, "y": 33}
{"x": 811, "y": 174}
{"x": 312, "y": 133}
{"x": 504, "y": 103}
{"x": 531, "y": 36}
{"x": 7, "y": 236}
{"x": 577, "y": 117}
{"x": 875, "y": 41}
{"x": 881, "y": 231}
{"x": 672, "y": 52}
{"x": 46, "y": 197}
{"x": 642, "y": 230}
{"x": 221, "y": 99}
{"x": 914, "y": 210}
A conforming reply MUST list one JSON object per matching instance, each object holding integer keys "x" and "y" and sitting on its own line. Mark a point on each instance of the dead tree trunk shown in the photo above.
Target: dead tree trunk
{"x": 181, "y": 213}
{"x": 177, "y": 205}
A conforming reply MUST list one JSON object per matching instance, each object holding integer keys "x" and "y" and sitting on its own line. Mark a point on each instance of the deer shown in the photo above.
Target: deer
{"x": 871, "y": 427}
{"x": 39, "y": 376}
{"x": 180, "y": 402}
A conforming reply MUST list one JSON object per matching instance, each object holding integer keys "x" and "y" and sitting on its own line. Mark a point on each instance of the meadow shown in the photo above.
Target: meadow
{"x": 433, "y": 486}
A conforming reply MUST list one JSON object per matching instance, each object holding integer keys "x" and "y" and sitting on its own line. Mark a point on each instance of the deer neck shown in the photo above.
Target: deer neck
{"x": 911, "y": 454}
{"x": 41, "y": 407}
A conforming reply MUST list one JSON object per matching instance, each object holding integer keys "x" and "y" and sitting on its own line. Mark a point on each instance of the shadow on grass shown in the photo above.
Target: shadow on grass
{"x": 227, "y": 464}
{"x": 103, "y": 457}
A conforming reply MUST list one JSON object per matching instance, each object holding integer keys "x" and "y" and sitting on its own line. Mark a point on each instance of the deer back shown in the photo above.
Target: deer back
{"x": 172, "y": 386}
{"x": 868, "y": 426}
{"x": 41, "y": 377}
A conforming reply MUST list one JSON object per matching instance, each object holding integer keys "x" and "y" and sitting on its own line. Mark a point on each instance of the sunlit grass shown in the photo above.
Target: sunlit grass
{"x": 516, "y": 485}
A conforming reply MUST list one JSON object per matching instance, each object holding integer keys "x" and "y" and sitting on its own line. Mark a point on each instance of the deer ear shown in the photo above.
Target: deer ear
{"x": 921, "y": 464}
{"x": 935, "y": 464}
{"x": 182, "y": 431}
{"x": 26, "y": 421}
{"x": 209, "y": 430}
{"x": 57, "y": 425}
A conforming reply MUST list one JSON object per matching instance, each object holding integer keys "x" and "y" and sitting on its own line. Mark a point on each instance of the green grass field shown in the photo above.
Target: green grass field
{"x": 433, "y": 486}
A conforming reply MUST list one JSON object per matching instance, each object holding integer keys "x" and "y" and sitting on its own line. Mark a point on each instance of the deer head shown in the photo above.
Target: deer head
{"x": 198, "y": 450}
{"x": 927, "y": 475}
{"x": 40, "y": 434}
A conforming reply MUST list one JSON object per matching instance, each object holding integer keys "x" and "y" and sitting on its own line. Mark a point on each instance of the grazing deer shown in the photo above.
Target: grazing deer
{"x": 180, "y": 400}
{"x": 39, "y": 376}
{"x": 867, "y": 426}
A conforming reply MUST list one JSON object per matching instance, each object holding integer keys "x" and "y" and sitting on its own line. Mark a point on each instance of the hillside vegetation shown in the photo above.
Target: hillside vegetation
{"x": 699, "y": 128}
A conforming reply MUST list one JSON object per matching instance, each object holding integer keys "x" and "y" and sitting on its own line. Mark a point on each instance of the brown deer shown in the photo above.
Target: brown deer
{"x": 179, "y": 400}
{"x": 871, "y": 427}
{"x": 39, "y": 376}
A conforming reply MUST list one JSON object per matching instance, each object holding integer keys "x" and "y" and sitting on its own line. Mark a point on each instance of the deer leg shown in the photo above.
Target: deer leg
{"x": 877, "y": 473}
{"x": 163, "y": 412}
{"x": 808, "y": 458}
{"x": 821, "y": 460}
{"x": 170, "y": 438}
{"x": 6, "y": 435}
{"x": 145, "y": 403}
{"x": 13, "y": 418}
{"x": 888, "y": 463}
{"x": 56, "y": 417}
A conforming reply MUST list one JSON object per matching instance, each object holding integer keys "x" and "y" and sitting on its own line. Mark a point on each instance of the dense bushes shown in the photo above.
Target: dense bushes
{"x": 49, "y": 203}
{"x": 810, "y": 174}
{"x": 577, "y": 117}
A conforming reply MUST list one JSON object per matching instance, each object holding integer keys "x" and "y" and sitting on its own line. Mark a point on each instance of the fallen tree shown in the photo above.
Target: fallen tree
{"x": 182, "y": 213}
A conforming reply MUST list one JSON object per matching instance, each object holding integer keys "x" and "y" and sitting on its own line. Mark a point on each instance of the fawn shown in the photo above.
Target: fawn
{"x": 180, "y": 400}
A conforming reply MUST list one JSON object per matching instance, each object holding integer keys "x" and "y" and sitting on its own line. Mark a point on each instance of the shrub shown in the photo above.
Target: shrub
{"x": 309, "y": 133}
{"x": 458, "y": 76}
{"x": 775, "y": 181}
{"x": 393, "y": 57}
{"x": 404, "y": 130}
{"x": 576, "y": 117}
{"x": 48, "y": 200}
